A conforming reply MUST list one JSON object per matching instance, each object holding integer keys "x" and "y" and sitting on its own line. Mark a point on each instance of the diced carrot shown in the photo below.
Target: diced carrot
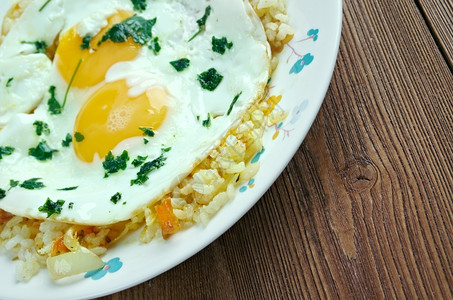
{"x": 5, "y": 216}
{"x": 58, "y": 246}
{"x": 169, "y": 223}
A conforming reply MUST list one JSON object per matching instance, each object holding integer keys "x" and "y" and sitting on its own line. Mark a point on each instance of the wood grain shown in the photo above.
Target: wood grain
{"x": 365, "y": 208}
{"x": 439, "y": 17}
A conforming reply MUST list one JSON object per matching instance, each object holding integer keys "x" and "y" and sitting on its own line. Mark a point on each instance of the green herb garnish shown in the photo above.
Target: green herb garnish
{"x": 139, "y": 161}
{"x": 155, "y": 46}
{"x": 79, "y": 137}
{"x": 50, "y": 207}
{"x": 40, "y": 46}
{"x": 86, "y": 42}
{"x": 136, "y": 27}
{"x": 145, "y": 141}
{"x": 44, "y": 5}
{"x": 147, "y": 131}
{"x": 55, "y": 108}
{"x": 220, "y": 45}
{"x": 71, "y": 205}
{"x": 42, "y": 151}
{"x": 116, "y": 198}
{"x": 180, "y": 64}
{"x": 114, "y": 164}
{"x": 32, "y": 184}
{"x": 6, "y": 151}
{"x": 139, "y": 5}
{"x": 210, "y": 79}
{"x": 145, "y": 169}
{"x": 67, "y": 141}
{"x": 207, "y": 123}
{"x": 70, "y": 83}
{"x": 71, "y": 188}
{"x": 202, "y": 22}
{"x": 8, "y": 83}
{"x": 2, "y": 193}
{"x": 53, "y": 104}
{"x": 233, "y": 103}
{"x": 13, "y": 183}
{"x": 41, "y": 128}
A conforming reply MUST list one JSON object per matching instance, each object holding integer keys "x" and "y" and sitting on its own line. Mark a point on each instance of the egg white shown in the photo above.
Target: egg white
{"x": 245, "y": 69}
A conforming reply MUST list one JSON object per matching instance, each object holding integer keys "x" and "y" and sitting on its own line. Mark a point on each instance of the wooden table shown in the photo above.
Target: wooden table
{"x": 365, "y": 208}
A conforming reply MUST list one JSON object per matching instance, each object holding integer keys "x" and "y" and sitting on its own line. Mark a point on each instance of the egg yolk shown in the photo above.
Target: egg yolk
{"x": 97, "y": 59}
{"x": 110, "y": 116}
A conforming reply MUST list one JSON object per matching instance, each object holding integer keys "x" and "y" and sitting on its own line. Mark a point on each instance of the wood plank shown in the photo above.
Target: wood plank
{"x": 364, "y": 210}
{"x": 439, "y": 16}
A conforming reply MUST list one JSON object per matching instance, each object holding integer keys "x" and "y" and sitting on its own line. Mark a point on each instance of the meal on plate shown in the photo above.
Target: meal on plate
{"x": 122, "y": 115}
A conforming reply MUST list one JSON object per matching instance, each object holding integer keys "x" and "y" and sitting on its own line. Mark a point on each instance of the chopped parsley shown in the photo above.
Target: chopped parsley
{"x": 220, "y": 45}
{"x": 13, "y": 183}
{"x": 6, "y": 151}
{"x": 86, "y": 42}
{"x": 180, "y": 64}
{"x": 233, "y": 103}
{"x": 207, "y": 123}
{"x": 79, "y": 137}
{"x": 202, "y": 22}
{"x": 44, "y": 5}
{"x": 114, "y": 164}
{"x": 40, "y": 46}
{"x": 139, "y": 5}
{"x": 136, "y": 27}
{"x": 32, "y": 184}
{"x": 210, "y": 79}
{"x": 155, "y": 46}
{"x": 50, "y": 207}
{"x": 2, "y": 193}
{"x": 139, "y": 161}
{"x": 147, "y": 131}
{"x": 41, "y": 128}
{"x": 71, "y": 188}
{"x": 8, "y": 83}
{"x": 116, "y": 198}
{"x": 145, "y": 141}
{"x": 42, "y": 151}
{"x": 53, "y": 104}
{"x": 145, "y": 169}
{"x": 71, "y": 205}
{"x": 67, "y": 141}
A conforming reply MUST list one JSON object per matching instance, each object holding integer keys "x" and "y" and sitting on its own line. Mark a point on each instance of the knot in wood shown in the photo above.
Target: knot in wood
{"x": 361, "y": 176}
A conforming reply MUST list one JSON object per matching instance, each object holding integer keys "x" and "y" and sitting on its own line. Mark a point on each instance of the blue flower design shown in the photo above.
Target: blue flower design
{"x": 297, "y": 111}
{"x": 313, "y": 33}
{"x": 301, "y": 63}
{"x": 257, "y": 157}
{"x": 111, "y": 266}
{"x": 250, "y": 184}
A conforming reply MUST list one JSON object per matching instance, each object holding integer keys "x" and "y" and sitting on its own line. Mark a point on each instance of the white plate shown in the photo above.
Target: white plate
{"x": 302, "y": 78}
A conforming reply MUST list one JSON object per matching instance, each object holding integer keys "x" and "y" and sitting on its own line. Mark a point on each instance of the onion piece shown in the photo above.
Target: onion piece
{"x": 70, "y": 238}
{"x": 72, "y": 263}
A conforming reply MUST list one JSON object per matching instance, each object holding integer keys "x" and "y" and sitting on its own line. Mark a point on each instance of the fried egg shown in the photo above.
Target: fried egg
{"x": 124, "y": 105}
